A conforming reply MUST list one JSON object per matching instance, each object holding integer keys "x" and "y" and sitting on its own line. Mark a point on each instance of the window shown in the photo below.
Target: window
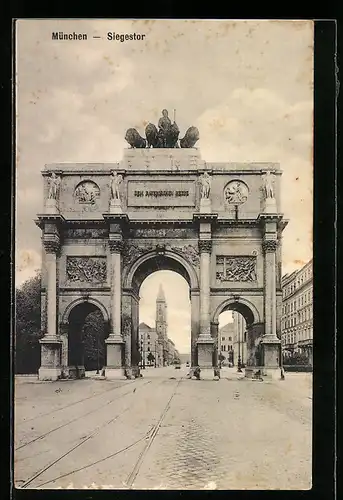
{"x": 230, "y": 338}
{"x": 148, "y": 336}
{"x": 148, "y": 348}
{"x": 223, "y": 347}
{"x": 223, "y": 338}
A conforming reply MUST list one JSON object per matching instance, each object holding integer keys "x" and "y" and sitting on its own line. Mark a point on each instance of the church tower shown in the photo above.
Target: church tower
{"x": 161, "y": 322}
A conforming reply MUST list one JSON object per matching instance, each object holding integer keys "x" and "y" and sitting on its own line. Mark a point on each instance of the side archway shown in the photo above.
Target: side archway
{"x": 82, "y": 300}
{"x": 248, "y": 310}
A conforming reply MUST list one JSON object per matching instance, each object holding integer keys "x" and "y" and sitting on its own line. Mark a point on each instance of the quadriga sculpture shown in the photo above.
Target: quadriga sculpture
{"x": 151, "y": 133}
{"x": 190, "y": 138}
{"x": 166, "y": 135}
{"x": 134, "y": 139}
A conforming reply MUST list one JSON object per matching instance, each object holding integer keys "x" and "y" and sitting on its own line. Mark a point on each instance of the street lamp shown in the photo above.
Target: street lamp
{"x": 239, "y": 363}
{"x": 143, "y": 355}
{"x": 97, "y": 364}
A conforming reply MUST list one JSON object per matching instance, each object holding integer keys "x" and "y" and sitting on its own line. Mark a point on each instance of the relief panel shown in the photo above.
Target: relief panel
{"x": 236, "y": 269}
{"x": 86, "y": 270}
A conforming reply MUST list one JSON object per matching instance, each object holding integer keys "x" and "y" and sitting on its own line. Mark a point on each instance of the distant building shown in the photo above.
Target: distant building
{"x": 240, "y": 337}
{"x": 297, "y": 312}
{"x": 155, "y": 347}
{"x": 232, "y": 341}
{"x": 161, "y": 324}
{"x": 225, "y": 344}
{"x": 173, "y": 353}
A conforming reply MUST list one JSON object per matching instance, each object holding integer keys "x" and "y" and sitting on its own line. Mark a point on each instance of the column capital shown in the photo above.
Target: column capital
{"x": 270, "y": 245}
{"x": 205, "y": 246}
{"x": 116, "y": 246}
{"x": 51, "y": 243}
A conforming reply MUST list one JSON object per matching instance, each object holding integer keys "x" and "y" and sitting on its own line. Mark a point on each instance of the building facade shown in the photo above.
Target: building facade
{"x": 161, "y": 324}
{"x": 240, "y": 338}
{"x": 149, "y": 346}
{"x": 297, "y": 313}
{"x": 226, "y": 343}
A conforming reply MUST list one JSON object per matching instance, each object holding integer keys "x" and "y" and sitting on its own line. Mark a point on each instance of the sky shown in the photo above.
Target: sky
{"x": 246, "y": 85}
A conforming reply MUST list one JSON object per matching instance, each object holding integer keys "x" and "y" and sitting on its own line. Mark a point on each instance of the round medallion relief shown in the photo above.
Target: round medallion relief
{"x": 236, "y": 193}
{"x": 87, "y": 192}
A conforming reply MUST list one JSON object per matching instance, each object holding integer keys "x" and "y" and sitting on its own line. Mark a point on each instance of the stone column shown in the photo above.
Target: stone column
{"x": 205, "y": 247}
{"x": 51, "y": 343}
{"x": 115, "y": 342}
{"x": 271, "y": 346}
{"x": 205, "y": 342}
{"x": 195, "y": 308}
{"x": 269, "y": 247}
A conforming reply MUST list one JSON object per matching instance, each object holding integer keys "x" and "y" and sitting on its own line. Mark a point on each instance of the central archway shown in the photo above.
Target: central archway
{"x": 166, "y": 261}
{"x": 142, "y": 268}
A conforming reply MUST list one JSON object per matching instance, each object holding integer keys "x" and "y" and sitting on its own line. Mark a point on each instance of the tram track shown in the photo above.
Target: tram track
{"x": 149, "y": 436}
{"x": 153, "y": 433}
{"x": 42, "y": 436}
{"x": 73, "y": 404}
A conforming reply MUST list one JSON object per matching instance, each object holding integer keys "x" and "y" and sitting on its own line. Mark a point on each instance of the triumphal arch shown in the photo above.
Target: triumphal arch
{"x": 106, "y": 227}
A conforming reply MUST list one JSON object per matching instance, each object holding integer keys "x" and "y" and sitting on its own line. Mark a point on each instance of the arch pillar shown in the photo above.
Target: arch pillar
{"x": 115, "y": 344}
{"x": 50, "y": 368}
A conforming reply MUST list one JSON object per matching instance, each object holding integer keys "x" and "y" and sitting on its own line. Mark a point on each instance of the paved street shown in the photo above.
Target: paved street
{"x": 164, "y": 431}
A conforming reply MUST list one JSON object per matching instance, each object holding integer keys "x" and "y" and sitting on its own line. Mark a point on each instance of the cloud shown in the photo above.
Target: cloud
{"x": 28, "y": 263}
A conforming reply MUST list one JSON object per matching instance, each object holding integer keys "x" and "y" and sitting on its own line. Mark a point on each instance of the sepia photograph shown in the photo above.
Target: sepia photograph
{"x": 163, "y": 334}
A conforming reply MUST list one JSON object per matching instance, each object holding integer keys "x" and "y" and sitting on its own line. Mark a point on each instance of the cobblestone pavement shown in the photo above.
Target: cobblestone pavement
{"x": 164, "y": 431}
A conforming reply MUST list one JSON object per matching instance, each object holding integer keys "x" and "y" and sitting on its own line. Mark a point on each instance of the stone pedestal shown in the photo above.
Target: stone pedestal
{"x": 271, "y": 352}
{"x": 114, "y": 352}
{"x": 115, "y": 207}
{"x": 51, "y": 207}
{"x": 270, "y": 206}
{"x": 205, "y": 353}
{"x": 114, "y": 366}
{"x": 50, "y": 368}
{"x": 205, "y": 206}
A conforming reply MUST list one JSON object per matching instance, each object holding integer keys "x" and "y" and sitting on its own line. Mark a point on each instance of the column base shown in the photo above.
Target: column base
{"x": 205, "y": 346}
{"x": 114, "y": 352}
{"x": 50, "y": 368}
{"x": 271, "y": 351}
{"x": 49, "y": 373}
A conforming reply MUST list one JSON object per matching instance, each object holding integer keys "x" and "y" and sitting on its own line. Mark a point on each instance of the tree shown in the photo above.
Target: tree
{"x": 28, "y": 326}
{"x": 94, "y": 333}
{"x": 151, "y": 357}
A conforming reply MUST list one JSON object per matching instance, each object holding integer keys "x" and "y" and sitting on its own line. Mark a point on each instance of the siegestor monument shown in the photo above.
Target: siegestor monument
{"x": 107, "y": 226}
